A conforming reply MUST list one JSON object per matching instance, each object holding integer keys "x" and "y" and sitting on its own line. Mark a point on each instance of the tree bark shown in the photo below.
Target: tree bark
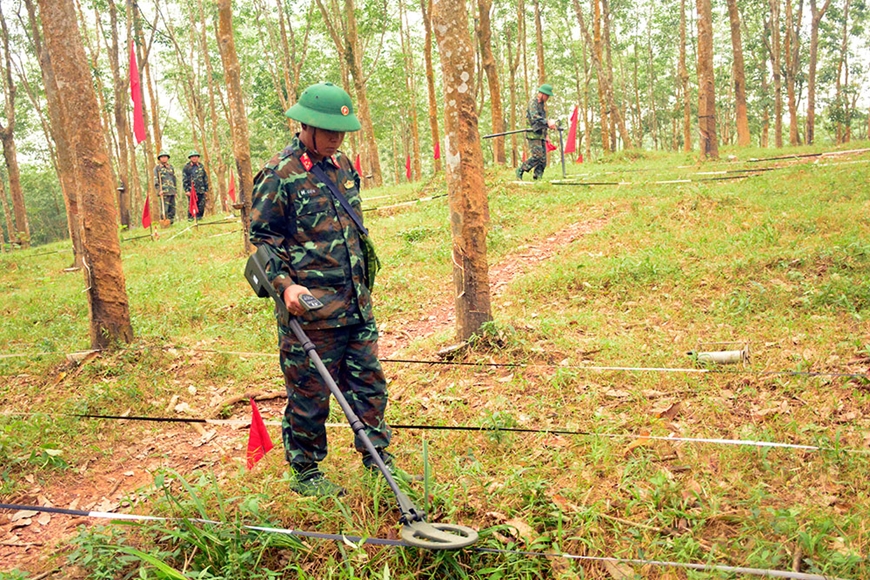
{"x": 239, "y": 124}
{"x": 21, "y": 234}
{"x": 469, "y": 209}
{"x": 485, "y": 7}
{"x": 776, "y": 63}
{"x": 119, "y": 85}
{"x": 684, "y": 82}
{"x": 706, "y": 83}
{"x": 65, "y": 167}
{"x": 426, "y": 7}
{"x": 539, "y": 43}
{"x": 596, "y": 51}
{"x": 217, "y": 165}
{"x": 104, "y": 275}
{"x": 817, "y": 15}
{"x": 739, "y": 74}
{"x": 792, "y": 67}
{"x": 411, "y": 85}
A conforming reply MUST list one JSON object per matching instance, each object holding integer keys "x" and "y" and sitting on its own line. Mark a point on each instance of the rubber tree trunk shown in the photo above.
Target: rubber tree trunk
{"x": 706, "y": 83}
{"x": 817, "y": 15}
{"x": 239, "y": 119}
{"x": 776, "y": 64}
{"x": 426, "y": 6}
{"x": 104, "y": 275}
{"x": 739, "y": 74}
{"x": 469, "y": 209}
{"x": 492, "y": 78}
{"x": 684, "y": 82}
{"x": 10, "y": 151}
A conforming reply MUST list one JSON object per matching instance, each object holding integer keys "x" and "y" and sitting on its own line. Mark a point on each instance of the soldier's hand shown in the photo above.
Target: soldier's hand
{"x": 291, "y": 299}
{"x": 551, "y": 124}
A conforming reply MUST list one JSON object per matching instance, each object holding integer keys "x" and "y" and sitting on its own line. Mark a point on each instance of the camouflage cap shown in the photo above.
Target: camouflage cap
{"x": 325, "y": 106}
{"x": 163, "y": 153}
{"x": 193, "y": 153}
{"x": 547, "y": 89}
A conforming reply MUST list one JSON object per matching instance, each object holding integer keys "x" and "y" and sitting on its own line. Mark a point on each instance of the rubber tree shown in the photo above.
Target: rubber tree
{"x": 706, "y": 83}
{"x": 463, "y": 159}
{"x": 104, "y": 276}
{"x": 238, "y": 117}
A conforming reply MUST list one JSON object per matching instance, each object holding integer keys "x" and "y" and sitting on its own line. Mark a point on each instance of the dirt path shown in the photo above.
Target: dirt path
{"x": 395, "y": 339}
{"x": 106, "y": 483}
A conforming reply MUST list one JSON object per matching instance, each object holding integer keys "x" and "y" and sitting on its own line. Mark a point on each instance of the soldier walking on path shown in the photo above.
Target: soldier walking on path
{"x": 316, "y": 248}
{"x": 536, "y": 136}
{"x": 194, "y": 175}
{"x": 165, "y": 186}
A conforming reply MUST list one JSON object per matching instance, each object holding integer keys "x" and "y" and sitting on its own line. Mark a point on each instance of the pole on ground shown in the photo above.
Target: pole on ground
{"x": 562, "y": 151}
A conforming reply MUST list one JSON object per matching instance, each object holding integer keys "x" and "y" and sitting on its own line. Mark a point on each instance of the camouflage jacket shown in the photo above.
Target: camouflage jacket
{"x": 313, "y": 241}
{"x": 164, "y": 179}
{"x": 195, "y": 174}
{"x": 537, "y": 116}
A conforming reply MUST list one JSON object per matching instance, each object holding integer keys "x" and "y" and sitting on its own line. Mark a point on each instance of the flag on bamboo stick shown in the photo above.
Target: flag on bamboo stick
{"x": 408, "y": 167}
{"x": 524, "y": 156}
{"x": 550, "y": 146}
{"x": 437, "y": 151}
{"x": 358, "y": 164}
{"x": 579, "y": 159}
{"x": 232, "y": 190}
{"x": 571, "y": 145}
{"x": 146, "y": 212}
{"x": 192, "y": 208}
{"x": 136, "y": 95}
{"x": 259, "y": 442}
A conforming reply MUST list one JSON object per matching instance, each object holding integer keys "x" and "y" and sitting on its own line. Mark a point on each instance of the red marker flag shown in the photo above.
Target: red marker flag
{"x": 259, "y": 442}
{"x": 358, "y": 164}
{"x": 437, "y": 151}
{"x": 232, "y": 191}
{"x": 408, "y": 167}
{"x": 136, "y": 95}
{"x": 571, "y": 145}
{"x": 524, "y": 156}
{"x": 146, "y": 212}
{"x": 580, "y": 159}
{"x": 192, "y": 209}
{"x": 550, "y": 146}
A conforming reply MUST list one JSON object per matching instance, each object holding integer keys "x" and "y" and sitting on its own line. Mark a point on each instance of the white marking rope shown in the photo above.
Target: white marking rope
{"x": 770, "y": 573}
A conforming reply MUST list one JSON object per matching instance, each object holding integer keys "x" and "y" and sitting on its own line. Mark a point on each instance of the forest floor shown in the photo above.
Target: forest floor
{"x": 633, "y": 275}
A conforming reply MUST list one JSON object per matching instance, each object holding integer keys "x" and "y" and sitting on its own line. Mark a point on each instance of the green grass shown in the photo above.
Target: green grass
{"x": 781, "y": 259}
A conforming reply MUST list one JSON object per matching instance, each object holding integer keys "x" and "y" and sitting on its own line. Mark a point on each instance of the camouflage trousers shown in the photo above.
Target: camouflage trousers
{"x": 350, "y": 355}
{"x": 169, "y": 207}
{"x": 537, "y": 160}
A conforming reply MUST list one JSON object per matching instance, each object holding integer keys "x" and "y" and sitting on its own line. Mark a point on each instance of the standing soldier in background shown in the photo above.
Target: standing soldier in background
{"x": 194, "y": 175}
{"x": 537, "y": 133}
{"x": 165, "y": 186}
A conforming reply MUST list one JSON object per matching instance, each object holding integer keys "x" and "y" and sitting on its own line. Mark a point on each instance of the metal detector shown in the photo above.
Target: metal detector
{"x": 416, "y": 531}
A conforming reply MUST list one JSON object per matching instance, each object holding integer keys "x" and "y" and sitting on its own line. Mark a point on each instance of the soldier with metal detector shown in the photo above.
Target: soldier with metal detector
{"x": 307, "y": 214}
{"x": 536, "y": 135}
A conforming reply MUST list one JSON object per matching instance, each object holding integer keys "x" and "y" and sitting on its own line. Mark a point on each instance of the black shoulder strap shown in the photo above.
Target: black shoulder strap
{"x": 321, "y": 175}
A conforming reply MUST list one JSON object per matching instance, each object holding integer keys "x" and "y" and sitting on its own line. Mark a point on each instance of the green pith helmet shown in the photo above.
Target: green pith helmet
{"x": 547, "y": 89}
{"x": 193, "y": 153}
{"x": 325, "y": 106}
{"x": 163, "y": 153}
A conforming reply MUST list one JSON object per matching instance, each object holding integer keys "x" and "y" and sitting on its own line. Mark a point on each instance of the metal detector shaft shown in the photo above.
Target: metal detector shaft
{"x": 410, "y": 512}
{"x": 562, "y": 152}
{"x": 504, "y": 133}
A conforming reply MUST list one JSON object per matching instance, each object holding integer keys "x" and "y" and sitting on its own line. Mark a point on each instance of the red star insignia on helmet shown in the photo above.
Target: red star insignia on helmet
{"x": 345, "y": 111}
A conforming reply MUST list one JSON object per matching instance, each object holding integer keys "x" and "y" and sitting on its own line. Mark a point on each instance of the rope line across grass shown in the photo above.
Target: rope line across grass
{"x": 770, "y": 573}
{"x": 596, "y": 368}
{"x": 480, "y": 429}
